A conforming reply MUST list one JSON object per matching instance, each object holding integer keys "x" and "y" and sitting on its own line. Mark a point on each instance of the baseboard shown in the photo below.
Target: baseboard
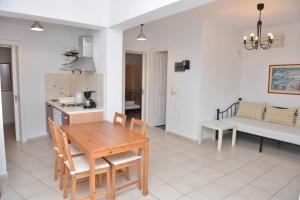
{"x": 4, "y": 175}
{"x": 180, "y": 135}
{"x": 37, "y": 137}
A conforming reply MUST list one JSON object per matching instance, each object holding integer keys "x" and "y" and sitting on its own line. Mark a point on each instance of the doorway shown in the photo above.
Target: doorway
{"x": 10, "y": 92}
{"x": 133, "y": 85}
{"x": 7, "y": 93}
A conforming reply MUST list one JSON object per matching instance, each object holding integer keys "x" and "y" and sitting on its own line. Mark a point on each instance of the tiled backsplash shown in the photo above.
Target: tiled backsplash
{"x": 62, "y": 84}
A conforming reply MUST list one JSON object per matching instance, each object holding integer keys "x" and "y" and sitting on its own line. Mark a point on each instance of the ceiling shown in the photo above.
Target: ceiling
{"x": 244, "y": 14}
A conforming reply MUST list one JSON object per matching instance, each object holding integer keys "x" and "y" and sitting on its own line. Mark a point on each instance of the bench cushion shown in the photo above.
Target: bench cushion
{"x": 266, "y": 129}
{"x": 251, "y": 110}
{"x": 280, "y": 116}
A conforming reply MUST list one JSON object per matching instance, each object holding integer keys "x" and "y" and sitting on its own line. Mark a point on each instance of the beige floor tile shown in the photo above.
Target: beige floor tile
{"x": 47, "y": 195}
{"x": 210, "y": 174}
{"x": 189, "y": 183}
{"x": 11, "y": 196}
{"x": 31, "y": 189}
{"x": 197, "y": 195}
{"x": 230, "y": 183}
{"x": 215, "y": 191}
{"x": 235, "y": 197}
{"x": 267, "y": 185}
{"x": 287, "y": 194}
{"x": 250, "y": 192}
{"x": 243, "y": 176}
{"x": 166, "y": 192}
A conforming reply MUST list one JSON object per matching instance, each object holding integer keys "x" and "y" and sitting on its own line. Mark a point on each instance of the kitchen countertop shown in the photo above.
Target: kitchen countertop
{"x": 74, "y": 110}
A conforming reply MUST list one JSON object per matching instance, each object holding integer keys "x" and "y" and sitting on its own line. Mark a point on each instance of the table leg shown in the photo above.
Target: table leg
{"x": 233, "y": 137}
{"x": 145, "y": 170}
{"x": 200, "y": 135}
{"x": 213, "y": 137}
{"x": 92, "y": 177}
{"x": 220, "y": 140}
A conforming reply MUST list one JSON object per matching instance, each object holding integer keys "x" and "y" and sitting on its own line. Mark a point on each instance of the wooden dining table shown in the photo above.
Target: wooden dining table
{"x": 100, "y": 139}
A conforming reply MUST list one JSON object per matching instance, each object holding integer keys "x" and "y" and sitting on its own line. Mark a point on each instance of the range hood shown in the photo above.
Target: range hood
{"x": 80, "y": 61}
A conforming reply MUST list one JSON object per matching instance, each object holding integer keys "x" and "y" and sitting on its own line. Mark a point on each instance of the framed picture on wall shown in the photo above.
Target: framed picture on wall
{"x": 284, "y": 79}
{"x": 5, "y": 72}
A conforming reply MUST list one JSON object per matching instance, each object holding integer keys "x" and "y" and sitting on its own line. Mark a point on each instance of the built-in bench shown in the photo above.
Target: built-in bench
{"x": 260, "y": 128}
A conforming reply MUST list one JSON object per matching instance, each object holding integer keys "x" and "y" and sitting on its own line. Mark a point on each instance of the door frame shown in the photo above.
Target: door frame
{"x": 144, "y": 109}
{"x": 16, "y": 86}
{"x": 145, "y": 82}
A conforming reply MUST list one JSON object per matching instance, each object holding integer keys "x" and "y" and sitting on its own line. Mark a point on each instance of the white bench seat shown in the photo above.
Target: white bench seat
{"x": 265, "y": 129}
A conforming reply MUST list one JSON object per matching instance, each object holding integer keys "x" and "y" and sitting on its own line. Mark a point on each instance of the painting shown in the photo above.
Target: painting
{"x": 284, "y": 79}
{"x": 5, "y": 73}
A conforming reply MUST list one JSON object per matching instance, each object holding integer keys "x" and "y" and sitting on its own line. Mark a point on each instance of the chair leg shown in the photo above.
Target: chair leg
{"x": 108, "y": 185}
{"x": 62, "y": 171}
{"x": 99, "y": 181}
{"x": 139, "y": 173}
{"x": 113, "y": 183}
{"x": 66, "y": 182}
{"x": 127, "y": 173}
{"x": 73, "y": 188}
{"x": 56, "y": 167}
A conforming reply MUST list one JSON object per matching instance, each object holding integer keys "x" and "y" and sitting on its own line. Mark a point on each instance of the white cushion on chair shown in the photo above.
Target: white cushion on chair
{"x": 121, "y": 158}
{"x": 74, "y": 151}
{"x": 81, "y": 164}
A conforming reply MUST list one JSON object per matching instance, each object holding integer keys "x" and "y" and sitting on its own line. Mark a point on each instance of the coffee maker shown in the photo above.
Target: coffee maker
{"x": 89, "y": 101}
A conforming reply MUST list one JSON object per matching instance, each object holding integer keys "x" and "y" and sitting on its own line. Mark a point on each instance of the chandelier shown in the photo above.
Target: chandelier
{"x": 256, "y": 41}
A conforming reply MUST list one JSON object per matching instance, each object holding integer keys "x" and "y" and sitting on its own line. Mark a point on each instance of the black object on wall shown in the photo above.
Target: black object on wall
{"x": 182, "y": 66}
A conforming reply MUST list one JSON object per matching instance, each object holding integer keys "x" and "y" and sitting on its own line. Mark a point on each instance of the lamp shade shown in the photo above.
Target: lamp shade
{"x": 141, "y": 36}
{"x": 36, "y": 26}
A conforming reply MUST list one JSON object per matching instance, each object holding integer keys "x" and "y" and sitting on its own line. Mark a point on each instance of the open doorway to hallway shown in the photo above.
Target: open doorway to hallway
{"x": 7, "y": 93}
{"x": 133, "y": 85}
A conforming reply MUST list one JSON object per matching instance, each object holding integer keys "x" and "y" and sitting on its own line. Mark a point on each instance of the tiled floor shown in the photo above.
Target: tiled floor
{"x": 179, "y": 169}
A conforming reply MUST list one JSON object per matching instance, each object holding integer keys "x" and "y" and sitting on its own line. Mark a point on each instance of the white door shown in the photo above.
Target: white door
{"x": 15, "y": 72}
{"x": 160, "y": 67}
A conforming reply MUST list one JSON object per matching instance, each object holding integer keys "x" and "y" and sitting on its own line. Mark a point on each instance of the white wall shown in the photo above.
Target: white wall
{"x": 39, "y": 53}
{"x": 7, "y": 96}
{"x": 220, "y": 72}
{"x": 186, "y": 36}
{"x": 255, "y": 67}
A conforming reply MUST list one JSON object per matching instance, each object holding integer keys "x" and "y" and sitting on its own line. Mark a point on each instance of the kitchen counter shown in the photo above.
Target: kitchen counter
{"x": 74, "y": 110}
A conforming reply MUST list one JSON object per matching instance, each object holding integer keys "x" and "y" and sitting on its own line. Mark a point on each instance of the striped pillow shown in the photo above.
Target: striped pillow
{"x": 251, "y": 110}
{"x": 297, "y": 124}
{"x": 280, "y": 116}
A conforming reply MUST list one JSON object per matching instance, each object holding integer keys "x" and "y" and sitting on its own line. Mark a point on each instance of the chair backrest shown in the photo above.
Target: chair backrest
{"x": 138, "y": 126}
{"x": 123, "y": 120}
{"x": 58, "y": 138}
{"x": 66, "y": 150}
{"x": 50, "y": 123}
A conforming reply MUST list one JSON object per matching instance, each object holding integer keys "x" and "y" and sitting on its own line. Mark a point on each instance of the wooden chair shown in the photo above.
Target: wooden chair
{"x": 127, "y": 159}
{"x": 55, "y": 148}
{"x": 78, "y": 168}
{"x": 58, "y": 151}
{"x": 123, "y": 117}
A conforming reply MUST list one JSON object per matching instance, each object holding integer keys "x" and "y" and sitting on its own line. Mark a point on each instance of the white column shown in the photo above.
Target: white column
{"x": 108, "y": 57}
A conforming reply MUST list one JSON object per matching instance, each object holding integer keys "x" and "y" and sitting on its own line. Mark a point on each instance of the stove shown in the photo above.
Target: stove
{"x": 73, "y": 105}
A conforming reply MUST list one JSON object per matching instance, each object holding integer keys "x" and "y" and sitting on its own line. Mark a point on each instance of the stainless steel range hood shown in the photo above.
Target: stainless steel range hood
{"x": 81, "y": 61}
